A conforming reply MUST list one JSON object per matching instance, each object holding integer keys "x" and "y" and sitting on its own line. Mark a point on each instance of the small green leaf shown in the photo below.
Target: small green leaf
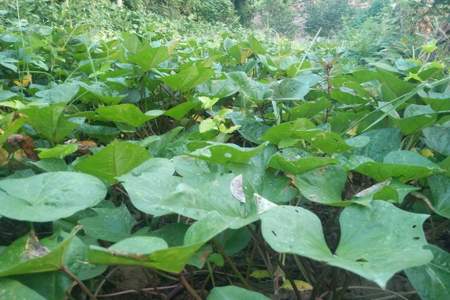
{"x": 59, "y": 151}
{"x": 152, "y": 252}
{"x": 188, "y": 78}
{"x": 233, "y": 292}
{"x": 110, "y": 224}
{"x": 440, "y": 190}
{"x": 432, "y": 281}
{"x": 123, "y": 113}
{"x": 324, "y": 185}
{"x": 148, "y": 57}
{"x": 438, "y": 138}
{"x": 226, "y": 153}
{"x": 28, "y": 255}
{"x": 50, "y": 122}
{"x": 114, "y": 160}
{"x": 13, "y": 289}
{"x": 405, "y": 165}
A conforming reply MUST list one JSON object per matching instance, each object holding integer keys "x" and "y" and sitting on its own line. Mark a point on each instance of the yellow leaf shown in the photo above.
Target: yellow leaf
{"x": 353, "y": 131}
{"x": 3, "y": 157}
{"x": 24, "y": 82}
{"x": 427, "y": 152}
{"x": 260, "y": 274}
{"x": 300, "y": 284}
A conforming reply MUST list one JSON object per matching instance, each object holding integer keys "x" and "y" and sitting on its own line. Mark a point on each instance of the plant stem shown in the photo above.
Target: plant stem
{"x": 83, "y": 287}
{"x": 232, "y": 265}
{"x": 189, "y": 288}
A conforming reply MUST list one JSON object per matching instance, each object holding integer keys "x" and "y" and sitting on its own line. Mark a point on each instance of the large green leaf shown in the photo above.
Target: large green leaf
{"x": 153, "y": 252}
{"x": 432, "y": 281}
{"x": 114, "y": 160}
{"x": 382, "y": 141}
{"x": 14, "y": 290}
{"x": 99, "y": 93}
{"x": 218, "y": 88}
{"x": 415, "y": 118}
{"x": 49, "y": 196}
{"x": 286, "y": 131}
{"x": 291, "y": 89}
{"x": 405, "y": 165}
{"x": 233, "y": 292}
{"x": 123, "y": 113}
{"x": 28, "y": 255}
{"x": 148, "y": 57}
{"x": 250, "y": 88}
{"x": 376, "y": 242}
{"x": 50, "y": 122}
{"x": 62, "y": 93}
{"x": 188, "y": 78}
{"x": 298, "y": 164}
{"x": 150, "y": 183}
{"x": 309, "y": 109}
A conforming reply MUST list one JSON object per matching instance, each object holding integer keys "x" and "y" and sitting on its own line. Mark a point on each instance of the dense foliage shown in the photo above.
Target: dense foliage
{"x": 146, "y": 158}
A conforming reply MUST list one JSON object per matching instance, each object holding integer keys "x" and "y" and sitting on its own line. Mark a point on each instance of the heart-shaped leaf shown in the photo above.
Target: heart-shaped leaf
{"x": 49, "y": 196}
{"x": 376, "y": 242}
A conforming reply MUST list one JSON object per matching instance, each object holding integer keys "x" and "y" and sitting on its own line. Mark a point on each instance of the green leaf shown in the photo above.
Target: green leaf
{"x": 152, "y": 252}
{"x": 100, "y": 93}
{"x": 123, "y": 113}
{"x": 218, "y": 88}
{"x": 62, "y": 93}
{"x": 376, "y": 242}
{"x": 309, "y": 109}
{"x": 250, "y": 88}
{"x": 382, "y": 141}
{"x": 415, "y": 118}
{"x": 226, "y": 153}
{"x": 49, "y": 196}
{"x": 233, "y": 292}
{"x": 179, "y": 111}
{"x": 6, "y": 95}
{"x": 440, "y": 190}
{"x": 50, "y": 285}
{"x": 294, "y": 89}
{"x": 13, "y": 289}
{"x": 188, "y": 78}
{"x": 324, "y": 185}
{"x": 50, "y": 122}
{"x": 150, "y": 183}
{"x": 59, "y": 151}
{"x": 438, "y": 138}
{"x": 148, "y": 58}
{"x": 114, "y": 160}
{"x": 283, "y": 131}
{"x": 432, "y": 281}
{"x": 405, "y": 165}
{"x": 27, "y": 255}
{"x": 110, "y": 224}
{"x": 298, "y": 164}
{"x": 77, "y": 261}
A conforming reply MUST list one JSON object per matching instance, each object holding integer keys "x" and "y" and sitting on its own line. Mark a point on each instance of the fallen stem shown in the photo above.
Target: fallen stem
{"x": 189, "y": 288}
{"x": 83, "y": 287}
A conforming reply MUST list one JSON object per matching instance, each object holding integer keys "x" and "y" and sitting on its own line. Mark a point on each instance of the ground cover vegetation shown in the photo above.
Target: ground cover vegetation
{"x": 170, "y": 150}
